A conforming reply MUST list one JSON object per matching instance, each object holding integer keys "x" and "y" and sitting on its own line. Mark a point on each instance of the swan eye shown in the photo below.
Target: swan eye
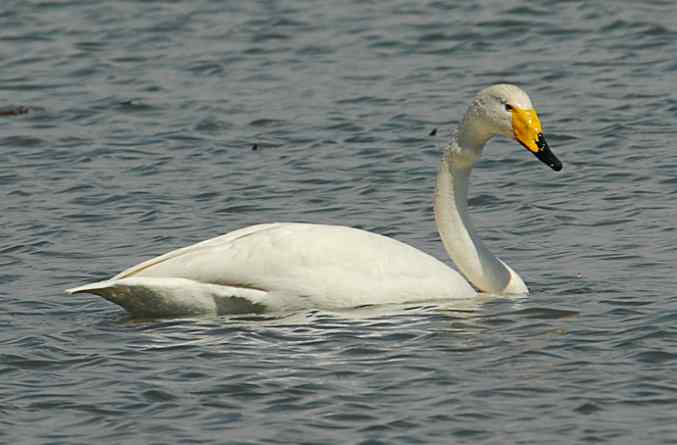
{"x": 508, "y": 107}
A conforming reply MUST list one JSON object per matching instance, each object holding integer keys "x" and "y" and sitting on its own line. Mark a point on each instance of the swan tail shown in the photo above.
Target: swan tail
{"x": 149, "y": 297}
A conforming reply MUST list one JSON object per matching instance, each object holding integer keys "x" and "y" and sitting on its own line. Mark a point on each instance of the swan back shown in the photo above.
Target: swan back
{"x": 331, "y": 266}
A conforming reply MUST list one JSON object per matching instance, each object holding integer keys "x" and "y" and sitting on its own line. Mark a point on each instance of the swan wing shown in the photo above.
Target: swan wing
{"x": 292, "y": 265}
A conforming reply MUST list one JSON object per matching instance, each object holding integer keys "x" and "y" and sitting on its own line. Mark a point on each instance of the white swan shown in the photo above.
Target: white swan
{"x": 289, "y": 266}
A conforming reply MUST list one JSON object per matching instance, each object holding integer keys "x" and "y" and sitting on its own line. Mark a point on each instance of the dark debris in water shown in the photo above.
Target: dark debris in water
{"x": 433, "y": 132}
{"x": 15, "y": 111}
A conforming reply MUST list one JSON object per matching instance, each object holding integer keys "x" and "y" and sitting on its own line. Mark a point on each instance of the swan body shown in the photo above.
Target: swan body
{"x": 292, "y": 266}
{"x": 280, "y": 267}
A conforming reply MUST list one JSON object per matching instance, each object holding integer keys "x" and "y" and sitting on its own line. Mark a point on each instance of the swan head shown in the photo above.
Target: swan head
{"x": 506, "y": 110}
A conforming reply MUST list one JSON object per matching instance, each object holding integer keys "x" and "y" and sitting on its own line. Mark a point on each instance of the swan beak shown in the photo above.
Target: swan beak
{"x": 527, "y": 130}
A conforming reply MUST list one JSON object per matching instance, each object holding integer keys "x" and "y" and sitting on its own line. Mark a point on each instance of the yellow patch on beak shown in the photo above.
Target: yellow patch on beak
{"x": 527, "y": 128}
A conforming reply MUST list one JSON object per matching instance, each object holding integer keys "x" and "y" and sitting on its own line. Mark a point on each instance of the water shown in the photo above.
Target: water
{"x": 138, "y": 139}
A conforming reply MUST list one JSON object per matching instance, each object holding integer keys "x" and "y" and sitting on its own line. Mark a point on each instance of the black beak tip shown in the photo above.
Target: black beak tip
{"x": 545, "y": 155}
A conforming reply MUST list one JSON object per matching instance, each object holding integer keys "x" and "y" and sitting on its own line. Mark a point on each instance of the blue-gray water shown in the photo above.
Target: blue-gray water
{"x": 138, "y": 139}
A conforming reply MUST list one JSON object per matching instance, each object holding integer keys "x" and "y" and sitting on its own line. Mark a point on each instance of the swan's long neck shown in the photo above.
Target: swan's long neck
{"x": 480, "y": 267}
